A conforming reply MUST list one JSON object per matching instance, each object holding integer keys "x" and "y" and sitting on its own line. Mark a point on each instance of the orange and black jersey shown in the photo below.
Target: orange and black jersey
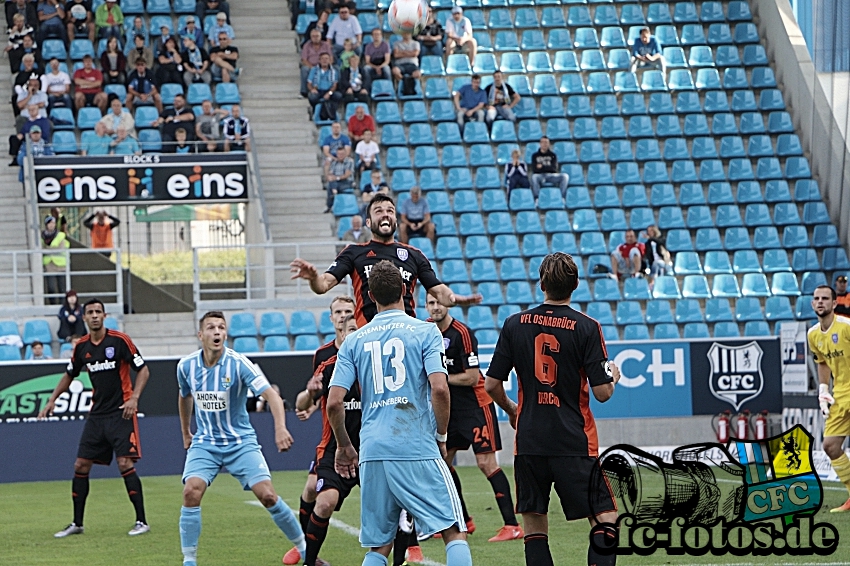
{"x": 325, "y": 368}
{"x": 108, "y": 365}
{"x": 357, "y": 260}
{"x": 461, "y": 355}
{"x": 556, "y": 351}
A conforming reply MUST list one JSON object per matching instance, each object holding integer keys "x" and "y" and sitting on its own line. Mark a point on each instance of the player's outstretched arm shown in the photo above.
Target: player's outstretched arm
{"x": 60, "y": 388}
{"x": 131, "y": 405}
{"x": 184, "y": 408}
{"x": 604, "y": 392}
{"x": 345, "y": 461}
{"x": 282, "y": 438}
{"x": 468, "y": 378}
{"x": 447, "y": 298}
{"x": 495, "y": 388}
{"x": 441, "y": 403}
{"x": 319, "y": 283}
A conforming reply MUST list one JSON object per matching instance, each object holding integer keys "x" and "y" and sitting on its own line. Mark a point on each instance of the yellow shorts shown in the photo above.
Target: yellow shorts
{"x": 838, "y": 421}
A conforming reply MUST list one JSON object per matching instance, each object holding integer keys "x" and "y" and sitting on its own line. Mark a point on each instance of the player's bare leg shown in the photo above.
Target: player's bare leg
{"x": 317, "y": 527}
{"x": 127, "y": 467}
{"x": 190, "y": 519}
{"x": 282, "y": 515}
{"x": 79, "y": 493}
{"x": 833, "y": 446}
{"x": 305, "y": 509}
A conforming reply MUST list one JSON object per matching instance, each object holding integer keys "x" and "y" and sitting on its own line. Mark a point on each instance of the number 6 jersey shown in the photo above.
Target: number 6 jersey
{"x": 556, "y": 351}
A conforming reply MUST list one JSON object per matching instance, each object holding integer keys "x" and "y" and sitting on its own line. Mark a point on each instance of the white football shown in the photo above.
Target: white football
{"x": 408, "y": 16}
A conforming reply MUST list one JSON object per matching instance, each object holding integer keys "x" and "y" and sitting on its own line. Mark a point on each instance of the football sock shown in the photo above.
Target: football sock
{"x": 287, "y": 522}
{"x": 400, "y": 545}
{"x": 134, "y": 489}
{"x": 374, "y": 559}
{"x": 457, "y": 553}
{"x": 502, "y": 491}
{"x": 79, "y": 492}
{"x": 537, "y": 550}
{"x": 603, "y": 536}
{"x": 305, "y": 509}
{"x": 317, "y": 530}
{"x": 456, "y": 479}
{"x": 190, "y": 532}
{"x": 841, "y": 465}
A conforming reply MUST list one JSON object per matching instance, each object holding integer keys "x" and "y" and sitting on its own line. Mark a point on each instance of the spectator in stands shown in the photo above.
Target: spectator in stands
{"x": 470, "y": 101}
{"x": 375, "y": 186}
{"x": 170, "y": 63}
{"x": 842, "y": 308}
{"x": 38, "y": 351}
{"x": 124, "y": 144}
{"x": 647, "y": 53}
{"x": 367, "y": 151}
{"x": 88, "y": 86}
{"x": 57, "y": 84}
{"x": 55, "y": 261}
{"x": 377, "y": 56}
{"x": 237, "y": 131}
{"x": 415, "y": 218}
{"x": 225, "y": 60}
{"x": 51, "y": 16}
{"x": 28, "y": 69}
{"x": 204, "y": 7}
{"x": 501, "y": 99}
{"x": 347, "y": 52}
{"x": 544, "y": 169}
{"x": 431, "y": 37}
{"x": 139, "y": 51}
{"x": 310, "y": 52}
{"x": 322, "y": 84}
{"x": 627, "y": 258}
{"x": 221, "y": 26}
{"x": 97, "y": 144}
{"x": 320, "y": 24}
{"x": 71, "y": 317}
{"x": 406, "y": 64}
{"x": 196, "y": 63}
{"x": 68, "y": 352}
{"x": 34, "y": 118}
{"x": 357, "y": 233}
{"x": 516, "y": 173}
{"x": 109, "y": 20}
{"x": 459, "y": 34}
{"x": 79, "y": 20}
{"x": 101, "y": 224}
{"x": 30, "y": 47}
{"x": 180, "y": 115}
{"x": 31, "y": 95}
{"x": 61, "y": 221}
{"x": 15, "y": 46}
{"x": 117, "y": 117}
{"x": 114, "y": 63}
{"x": 655, "y": 255}
{"x": 340, "y": 175}
{"x": 331, "y": 144}
{"x": 208, "y": 126}
{"x": 180, "y": 143}
{"x": 142, "y": 85}
{"x": 26, "y": 8}
{"x": 345, "y": 26}
{"x": 158, "y": 43}
{"x": 191, "y": 29}
{"x": 139, "y": 28}
{"x": 337, "y": 5}
{"x": 359, "y": 123}
{"x": 351, "y": 82}
{"x": 39, "y": 148}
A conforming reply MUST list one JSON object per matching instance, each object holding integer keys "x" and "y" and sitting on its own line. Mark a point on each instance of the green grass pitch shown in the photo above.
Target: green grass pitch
{"x": 239, "y": 533}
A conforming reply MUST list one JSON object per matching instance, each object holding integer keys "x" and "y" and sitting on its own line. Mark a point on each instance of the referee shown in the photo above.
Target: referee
{"x": 559, "y": 355}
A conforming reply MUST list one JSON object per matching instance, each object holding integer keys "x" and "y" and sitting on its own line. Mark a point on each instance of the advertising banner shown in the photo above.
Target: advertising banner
{"x": 795, "y": 375}
{"x": 141, "y": 179}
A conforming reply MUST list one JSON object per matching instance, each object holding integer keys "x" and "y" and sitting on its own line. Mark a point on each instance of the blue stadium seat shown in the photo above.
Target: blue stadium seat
{"x": 726, "y": 330}
{"x": 746, "y": 261}
{"x": 493, "y": 200}
{"x": 835, "y": 259}
{"x": 505, "y": 245}
{"x": 326, "y": 325}
{"x": 658, "y": 312}
{"x": 718, "y": 310}
{"x": 519, "y": 292}
{"x": 246, "y": 344}
{"x": 634, "y": 289}
{"x": 779, "y": 123}
{"x": 435, "y": 88}
{"x": 685, "y": 12}
{"x": 788, "y": 145}
{"x": 755, "y": 285}
{"x": 666, "y": 287}
{"x": 306, "y": 343}
{"x": 766, "y": 237}
{"x": 785, "y": 284}
{"x": 482, "y": 270}
{"x": 242, "y": 324}
{"x": 825, "y": 235}
{"x": 420, "y": 134}
{"x": 447, "y": 133}
{"x": 628, "y": 312}
{"x": 592, "y": 243}
{"x": 503, "y": 312}
{"x": 636, "y": 332}
{"x": 708, "y": 239}
{"x": 695, "y": 287}
{"x": 453, "y": 155}
{"x": 688, "y": 310}
{"x": 556, "y": 221}
{"x": 526, "y": 18}
{"x": 811, "y": 280}
{"x": 778, "y": 308}
{"x": 487, "y": 336}
{"x": 725, "y": 286}
{"x": 480, "y": 318}
{"x": 757, "y": 328}
{"x": 276, "y": 344}
{"x": 500, "y": 18}
{"x": 444, "y": 224}
{"x": 670, "y": 217}
{"x": 386, "y": 112}
{"x": 746, "y": 33}
{"x": 584, "y": 220}
{"x": 719, "y": 34}
{"x": 601, "y": 312}
{"x": 528, "y": 222}
{"x": 775, "y": 260}
{"x": 551, "y": 107}
{"x": 694, "y": 330}
{"x": 564, "y": 242}
{"x": 737, "y": 238}
{"x": 687, "y": 263}
{"x": 403, "y": 179}
{"x": 513, "y": 268}
{"x": 302, "y": 323}
{"x": 431, "y": 65}
{"x": 606, "y": 290}
{"x": 662, "y": 194}
{"x": 448, "y": 247}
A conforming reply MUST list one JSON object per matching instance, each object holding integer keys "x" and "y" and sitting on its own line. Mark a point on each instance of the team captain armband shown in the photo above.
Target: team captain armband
{"x": 260, "y": 383}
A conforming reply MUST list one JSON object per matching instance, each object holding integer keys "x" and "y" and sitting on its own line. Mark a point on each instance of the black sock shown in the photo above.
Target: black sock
{"x": 316, "y": 531}
{"x": 79, "y": 492}
{"x": 602, "y": 536}
{"x": 502, "y": 491}
{"x": 456, "y": 479}
{"x": 400, "y": 545}
{"x": 134, "y": 490}
{"x": 537, "y": 550}
{"x": 304, "y": 511}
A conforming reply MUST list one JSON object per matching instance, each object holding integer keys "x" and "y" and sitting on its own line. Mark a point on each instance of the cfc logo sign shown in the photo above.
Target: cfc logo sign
{"x": 736, "y": 375}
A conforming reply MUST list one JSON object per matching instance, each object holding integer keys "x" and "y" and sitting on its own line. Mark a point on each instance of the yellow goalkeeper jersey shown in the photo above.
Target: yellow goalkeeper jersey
{"x": 832, "y": 347}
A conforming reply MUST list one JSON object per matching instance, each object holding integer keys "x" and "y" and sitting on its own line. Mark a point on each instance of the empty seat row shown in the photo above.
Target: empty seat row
{"x": 275, "y": 324}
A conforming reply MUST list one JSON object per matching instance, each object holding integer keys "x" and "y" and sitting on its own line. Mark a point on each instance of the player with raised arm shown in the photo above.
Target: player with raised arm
{"x": 215, "y": 381}
{"x": 357, "y": 260}
{"x": 473, "y": 417}
{"x": 107, "y": 355}
{"x": 399, "y": 363}
{"x": 829, "y": 341}
{"x": 556, "y": 351}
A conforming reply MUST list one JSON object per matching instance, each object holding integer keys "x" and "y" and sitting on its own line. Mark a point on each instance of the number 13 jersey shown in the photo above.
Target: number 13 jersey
{"x": 556, "y": 351}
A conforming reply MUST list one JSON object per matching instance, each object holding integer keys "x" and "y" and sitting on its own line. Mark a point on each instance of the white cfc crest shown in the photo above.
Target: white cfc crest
{"x": 736, "y": 375}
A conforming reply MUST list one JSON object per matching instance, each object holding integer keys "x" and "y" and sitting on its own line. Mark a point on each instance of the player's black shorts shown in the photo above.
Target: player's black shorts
{"x": 477, "y": 428}
{"x": 103, "y": 436}
{"x": 582, "y": 492}
{"x": 327, "y": 478}
{"x": 312, "y": 469}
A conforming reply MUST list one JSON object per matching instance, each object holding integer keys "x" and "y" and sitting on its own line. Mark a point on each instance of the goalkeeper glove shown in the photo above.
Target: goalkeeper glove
{"x": 824, "y": 399}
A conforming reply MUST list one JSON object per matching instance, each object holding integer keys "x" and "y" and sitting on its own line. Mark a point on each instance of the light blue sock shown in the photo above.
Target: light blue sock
{"x": 374, "y": 559}
{"x": 457, "y": 553}
{"x": 190, "y": 532}
{"x": 287, "y": 522}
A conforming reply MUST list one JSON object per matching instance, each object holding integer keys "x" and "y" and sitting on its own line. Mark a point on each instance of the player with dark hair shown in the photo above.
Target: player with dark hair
{"x": 107, "y": 355}
{"x": 357, "y": 260}
{"x": 829, "y": 341}
{"x": 556, "y": 352}
{"x": 399, "y": 363}
{"x": 473, "y": 417}
{"x": 342, "y": 307}
{"x": 215, "y": 381}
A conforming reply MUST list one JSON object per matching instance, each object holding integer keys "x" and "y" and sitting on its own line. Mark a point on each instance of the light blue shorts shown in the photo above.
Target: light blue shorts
{"x": 245, "y": 462}
{"x": 423, "y": 487}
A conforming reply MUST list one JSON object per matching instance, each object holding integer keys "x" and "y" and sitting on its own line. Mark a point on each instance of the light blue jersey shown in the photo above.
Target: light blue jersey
{"x": 221, "y": 394}
{"x": 392, "y": 357}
